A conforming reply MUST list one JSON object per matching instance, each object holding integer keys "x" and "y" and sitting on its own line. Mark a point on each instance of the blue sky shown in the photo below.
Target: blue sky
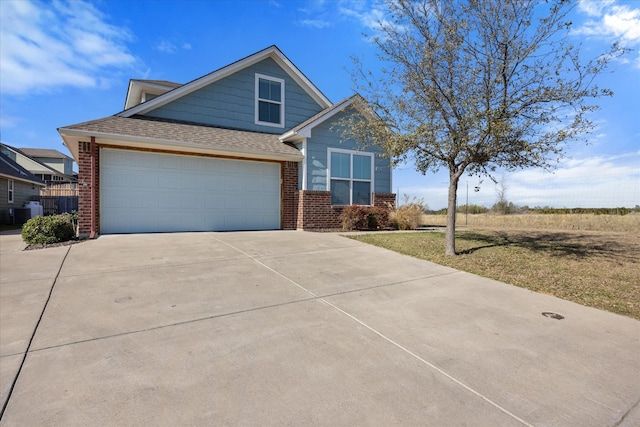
{"x": 66, "y": 62}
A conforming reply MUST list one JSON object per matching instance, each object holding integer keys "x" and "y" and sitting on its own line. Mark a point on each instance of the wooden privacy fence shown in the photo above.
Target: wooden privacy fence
{"x": 59, "y": 198}
{"x": 54, "y": 205}
{"x": 58, "y": 190}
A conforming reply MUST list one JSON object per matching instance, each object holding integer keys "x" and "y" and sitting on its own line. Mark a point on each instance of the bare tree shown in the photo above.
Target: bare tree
{"x": 502, "y": 205}
{"x": 476, "y": 85}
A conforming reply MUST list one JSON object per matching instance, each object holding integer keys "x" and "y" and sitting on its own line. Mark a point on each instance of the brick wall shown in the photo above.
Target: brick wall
{"x": 384, "y": 200}
{"x": 315, "y": 211}
{"x": 85, "y": 188}
{"x": 289, "y": 195}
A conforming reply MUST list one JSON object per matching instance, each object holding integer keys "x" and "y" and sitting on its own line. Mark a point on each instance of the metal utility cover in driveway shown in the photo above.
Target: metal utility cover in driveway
{"x": 295, "y": 328}
{"x": 153, "y": 192}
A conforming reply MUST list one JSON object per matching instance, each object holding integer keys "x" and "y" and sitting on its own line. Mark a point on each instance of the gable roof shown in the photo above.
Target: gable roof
{"x": 150, "y": 133}
{"x": 46, "y": 153}
{"x": 39, "y": 167}
{"x": 138, "y": 86}
{"x": 11, "y": 170}
{"x": 303, "y": 130}
{"x": 271, "y": 52}
{"x": 165, "y": 83}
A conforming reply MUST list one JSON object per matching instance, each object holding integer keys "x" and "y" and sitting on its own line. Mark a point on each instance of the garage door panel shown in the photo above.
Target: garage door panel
{"x": 153, "y": 192}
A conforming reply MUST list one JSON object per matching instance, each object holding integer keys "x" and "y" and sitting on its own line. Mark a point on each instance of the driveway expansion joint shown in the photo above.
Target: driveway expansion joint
{"x": 386, "y": 338}
{"x": 33, "y": 334}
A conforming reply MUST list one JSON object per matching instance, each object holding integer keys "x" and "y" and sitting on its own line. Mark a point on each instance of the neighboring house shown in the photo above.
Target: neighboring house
{"x": 51, "y": 166}
{"x": 251, "y": 146}
{"x": 17, "y": 186}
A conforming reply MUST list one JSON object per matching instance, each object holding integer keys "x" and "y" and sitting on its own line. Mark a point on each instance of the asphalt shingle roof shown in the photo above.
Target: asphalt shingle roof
{"x": 10, "y": 168}
{"x": 159, "y": 82}
{"x": 199, "y": 135}
{"x": 44, "y": 153}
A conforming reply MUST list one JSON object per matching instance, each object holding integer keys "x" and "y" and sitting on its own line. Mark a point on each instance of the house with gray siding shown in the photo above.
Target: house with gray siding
{"x": 51, "y": 166}
{"x": 17, "y": 187}
{"x": 253, "y": 145}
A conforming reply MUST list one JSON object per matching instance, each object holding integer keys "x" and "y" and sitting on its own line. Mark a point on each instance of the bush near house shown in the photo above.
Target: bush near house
{"x": 48, "y": 229}
{"x": 356, "y": 217}
{"x": 409, "y": 215}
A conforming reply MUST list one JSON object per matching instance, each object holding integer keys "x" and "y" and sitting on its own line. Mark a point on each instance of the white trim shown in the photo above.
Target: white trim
{"x": 351, "y": 179}
{"x": 257, "y": 100}
{"x": 11, "y": 190}
{"x": 271, "y": 52}
{"x": 306, "y": 130}
{"x": 21, "y": 179}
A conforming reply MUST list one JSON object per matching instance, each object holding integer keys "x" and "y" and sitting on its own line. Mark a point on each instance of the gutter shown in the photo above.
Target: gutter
{"x": 92, "y": 234}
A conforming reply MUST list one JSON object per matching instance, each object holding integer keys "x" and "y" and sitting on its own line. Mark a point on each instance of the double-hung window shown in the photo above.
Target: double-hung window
{"x": 269, "y": 101}
{"x": 351, "y": 177}
{"x": 10, "y": 191}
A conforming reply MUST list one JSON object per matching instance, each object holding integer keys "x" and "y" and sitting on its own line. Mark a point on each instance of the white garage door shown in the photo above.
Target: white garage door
{"x": 151, "y": 192}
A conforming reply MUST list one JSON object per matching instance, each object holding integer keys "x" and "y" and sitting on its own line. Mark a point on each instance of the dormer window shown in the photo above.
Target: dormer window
{"x": 269, "y": 101}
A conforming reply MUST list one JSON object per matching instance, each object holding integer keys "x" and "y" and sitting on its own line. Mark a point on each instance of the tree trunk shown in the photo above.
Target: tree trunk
{"x": 450, "y": 235}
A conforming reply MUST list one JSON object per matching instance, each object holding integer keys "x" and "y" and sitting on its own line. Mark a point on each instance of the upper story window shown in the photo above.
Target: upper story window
{"x": 10, "y": 191}
{"x": 351, "y": 177}
{"x": 269, "y": 101}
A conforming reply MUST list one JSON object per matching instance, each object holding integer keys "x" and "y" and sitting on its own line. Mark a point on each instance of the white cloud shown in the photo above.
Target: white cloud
{"x": 166, "y": 46}
{"x": 590, "y": 182}
{"x": 600, "y": 181}
{"x": 314, "y": 23}
{"x": 48, "y": 45}
{"x": 371, "y": 16}
{"x": 8, "y": 121}
{"x": 610, "y": 21}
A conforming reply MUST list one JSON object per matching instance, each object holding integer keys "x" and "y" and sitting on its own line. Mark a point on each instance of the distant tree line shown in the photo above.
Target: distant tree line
{"x": 508, "y": 208}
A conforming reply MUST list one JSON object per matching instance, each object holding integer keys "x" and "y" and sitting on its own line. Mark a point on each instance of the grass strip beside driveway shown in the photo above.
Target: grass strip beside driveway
{"x": 596, "y": 269}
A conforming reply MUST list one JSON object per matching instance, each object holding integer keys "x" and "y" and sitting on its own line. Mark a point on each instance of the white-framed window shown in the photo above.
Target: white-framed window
{"x": 269, "y": 101}
{"x": 350, "y": 177}
{"x": 10, "y": 191}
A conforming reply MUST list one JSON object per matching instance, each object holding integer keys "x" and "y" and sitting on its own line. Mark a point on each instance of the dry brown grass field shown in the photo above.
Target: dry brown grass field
{"x": 624, "y": 223}
{"x": 591, "y": 260}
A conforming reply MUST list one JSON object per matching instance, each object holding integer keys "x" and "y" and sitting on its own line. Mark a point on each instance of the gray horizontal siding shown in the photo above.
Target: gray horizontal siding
{"x": 324, "y": 137}
{"x": 230, "y": 102}
{"x": 22, "y": 193}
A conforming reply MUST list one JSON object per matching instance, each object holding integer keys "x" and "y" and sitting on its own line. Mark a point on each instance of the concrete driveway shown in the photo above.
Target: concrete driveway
{"x": 295, "y": 328}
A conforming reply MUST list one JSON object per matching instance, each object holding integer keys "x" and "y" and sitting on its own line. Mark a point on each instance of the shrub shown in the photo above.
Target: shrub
{"x": 408, "y": 216}
{"x": 378, "y": 218}
{"x": 48, "y": 229}
{"x": 356, "y": 217}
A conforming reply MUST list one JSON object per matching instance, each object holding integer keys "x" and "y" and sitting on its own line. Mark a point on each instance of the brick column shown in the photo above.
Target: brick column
{"x": 289, "y": 195}
{"x": 384, "y": 200}
{"x": 87, "y": 185}
{"x": 315, "y": 211}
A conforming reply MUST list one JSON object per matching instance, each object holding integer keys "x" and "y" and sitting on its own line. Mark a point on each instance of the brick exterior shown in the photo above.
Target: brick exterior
{"x": 315, "y": 210}
{"x": 316, "y": 213}
{"x": 289, "y": 195}
{"x": 384, "y": 200}
{"x": 306, "y": 210}
{"x": 87, "y": 185}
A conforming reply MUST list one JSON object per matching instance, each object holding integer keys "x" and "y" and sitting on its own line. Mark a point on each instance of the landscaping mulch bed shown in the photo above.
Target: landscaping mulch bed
{"x": 51, "y": 245}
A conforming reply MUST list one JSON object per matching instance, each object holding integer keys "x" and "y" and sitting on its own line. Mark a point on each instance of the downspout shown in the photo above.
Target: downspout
{"x": 92, "y": 145}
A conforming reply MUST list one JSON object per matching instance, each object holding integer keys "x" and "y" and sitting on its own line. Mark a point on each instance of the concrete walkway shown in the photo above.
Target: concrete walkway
{"x": 294, "y": 328}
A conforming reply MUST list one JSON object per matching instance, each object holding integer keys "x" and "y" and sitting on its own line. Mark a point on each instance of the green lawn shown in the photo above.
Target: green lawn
{"x": 596, "y": 269}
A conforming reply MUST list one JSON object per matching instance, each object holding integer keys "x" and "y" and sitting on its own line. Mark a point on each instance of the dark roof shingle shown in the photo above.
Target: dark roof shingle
{"x": 208, "y": 137}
